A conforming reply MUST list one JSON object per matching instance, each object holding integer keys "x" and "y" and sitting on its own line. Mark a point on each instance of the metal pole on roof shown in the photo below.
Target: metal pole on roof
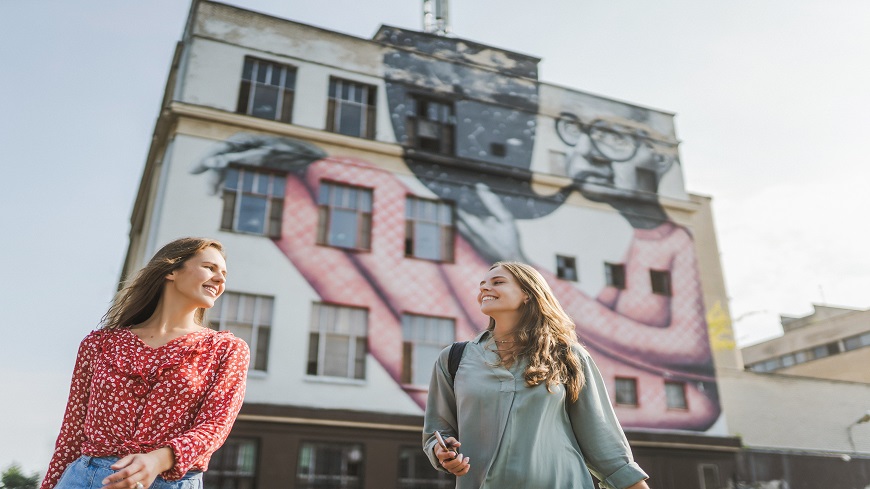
{"x": 436, "y": 17}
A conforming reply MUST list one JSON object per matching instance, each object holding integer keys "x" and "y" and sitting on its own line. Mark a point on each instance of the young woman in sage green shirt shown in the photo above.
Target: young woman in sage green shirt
{"x": 528, "y": 407}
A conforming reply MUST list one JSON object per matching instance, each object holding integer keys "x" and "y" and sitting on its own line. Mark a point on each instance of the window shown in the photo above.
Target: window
{"x": 855, "y": 342}
{"x": 615, "y": 275}
{"x": 351, "y": 108}
{"x": 661, "y": 282}
{"x": 787, "y": 360}
{"x": 415, "y": 471}
{"x": 675, "y": 392}
{"x": 434, "y": 126}
{"x": 423, "y": 338}
{"x": 253, "y": 202}
{"x": 337, "y": 342}
{"x": 250, "y": 318}
{"x": 709, "y": 476}
{"x": 330, "y": 465}
{"x": 267, "y": 90}
{"x": 626, "y": 391}
{"x": 428, "y": 229}
{"x": 233, "y": 465}
{"x": 566, "y": 267}
{"x": 826, "y": 350}
{"x": 646, "y": 180}
{"x": 345, "y": 216}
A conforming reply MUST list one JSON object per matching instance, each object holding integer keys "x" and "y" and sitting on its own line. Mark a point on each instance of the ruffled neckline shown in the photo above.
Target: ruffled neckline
{"x": 129, "y": 355}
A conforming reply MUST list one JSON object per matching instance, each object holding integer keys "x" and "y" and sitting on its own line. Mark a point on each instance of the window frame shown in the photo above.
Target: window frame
{"x": 565, "y": 262}
{"x": 338, "y": 481}
{"x": 660, "y": 282}
{"x": 409, "y": 350}
{"x": 617, "y": 392}
{"x": 273, "y": 212}
{"x": 446, "y": 232}
{"x": 217, "y": 477}
{"x": 285, "y": 95}
{"x": 615, "y": 275}
{"x": 443, "y": 126}
{"x": 259, "y": 352}
{"x": 367, "y": 107}
{"x": 357, "y": 345}
{"x": 703, "y": 480}
{"x": 685, "y": 401}
{"x": 326, "y": 212}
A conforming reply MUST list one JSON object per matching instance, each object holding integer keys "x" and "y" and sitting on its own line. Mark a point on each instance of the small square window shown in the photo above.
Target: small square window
{"x": 433, "y": 126}
{"x": 675, "y": 392}
{"x": 566, "y": 267}
{"x": 661, "y": 282}
{"x": 626, "y": 391}
{"x": 498, "y": 149}
{"x": 646, "y": 180}
{"x": 615, "y": 275}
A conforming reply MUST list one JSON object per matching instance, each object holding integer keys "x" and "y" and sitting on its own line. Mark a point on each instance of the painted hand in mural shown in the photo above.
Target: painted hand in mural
{"x": 256, "y": 150}
{"x": 494, "y": 235}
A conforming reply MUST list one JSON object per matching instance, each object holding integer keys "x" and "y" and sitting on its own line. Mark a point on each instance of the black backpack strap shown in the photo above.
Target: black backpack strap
{"x": 456, "y": 350}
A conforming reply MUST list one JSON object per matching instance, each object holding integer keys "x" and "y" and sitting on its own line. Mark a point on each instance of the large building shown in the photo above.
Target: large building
{"x": 831, "y": 343}
{"x": 362, "y": 188}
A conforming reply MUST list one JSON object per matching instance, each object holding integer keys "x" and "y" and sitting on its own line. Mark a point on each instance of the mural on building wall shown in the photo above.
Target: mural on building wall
{"x": 615, "y": 159}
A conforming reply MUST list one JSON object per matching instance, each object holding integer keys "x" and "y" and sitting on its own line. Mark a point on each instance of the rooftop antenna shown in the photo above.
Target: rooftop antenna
{"x": 435, "y": 17}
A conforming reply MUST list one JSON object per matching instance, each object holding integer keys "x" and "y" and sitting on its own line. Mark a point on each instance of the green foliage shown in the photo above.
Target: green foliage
{"x": 13, "y": 478}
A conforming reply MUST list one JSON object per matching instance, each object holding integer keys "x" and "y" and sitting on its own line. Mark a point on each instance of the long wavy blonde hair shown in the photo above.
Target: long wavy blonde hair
{"x": 545, "y": 333}
{"x": 137, "y": 300}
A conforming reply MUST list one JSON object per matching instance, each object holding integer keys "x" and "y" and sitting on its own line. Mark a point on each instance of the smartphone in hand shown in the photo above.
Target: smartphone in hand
{"x": 443, "y": 443}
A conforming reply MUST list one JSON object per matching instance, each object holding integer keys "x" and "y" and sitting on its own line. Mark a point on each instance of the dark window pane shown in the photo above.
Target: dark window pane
{"x": 342, "y": 228}
{"x": 351, "y": 120}
{"x": 265, "y": 102}
{"x": 248, "y": 69}
{"x": 313, "y": 347}
{"x": 252, "y": 212}
{"x": 262, "y": 72}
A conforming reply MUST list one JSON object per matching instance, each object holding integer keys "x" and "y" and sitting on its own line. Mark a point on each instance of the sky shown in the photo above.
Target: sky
{"x": 771, "y": 101}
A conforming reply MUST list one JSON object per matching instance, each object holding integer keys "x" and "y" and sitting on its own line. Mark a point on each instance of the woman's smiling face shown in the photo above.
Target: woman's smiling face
{"x": 500, "y": 292}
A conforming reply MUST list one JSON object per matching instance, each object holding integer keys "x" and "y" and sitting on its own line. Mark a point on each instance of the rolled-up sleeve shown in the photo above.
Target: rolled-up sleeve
{"x": 599, "y": 433}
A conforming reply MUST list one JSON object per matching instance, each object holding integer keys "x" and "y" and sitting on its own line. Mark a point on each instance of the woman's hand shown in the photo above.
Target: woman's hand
{"x": 451, "y": 459}
{"x": 139, "y": 468}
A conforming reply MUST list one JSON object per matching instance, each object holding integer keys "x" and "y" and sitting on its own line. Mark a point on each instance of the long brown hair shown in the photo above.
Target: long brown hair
{"x": 545, "y": 333}
{"x": 137, "y": 300}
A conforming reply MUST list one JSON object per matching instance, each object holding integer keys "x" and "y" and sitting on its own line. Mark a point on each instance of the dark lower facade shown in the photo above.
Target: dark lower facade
{"x": 789, "y": 469}
{"x": 300, "y": 448}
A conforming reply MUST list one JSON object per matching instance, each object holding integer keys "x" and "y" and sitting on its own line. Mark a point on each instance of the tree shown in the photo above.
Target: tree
{"x": 13, "y": 478}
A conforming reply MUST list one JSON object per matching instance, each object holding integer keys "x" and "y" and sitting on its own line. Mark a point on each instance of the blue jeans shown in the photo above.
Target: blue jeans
{"x": 88, "y": 473}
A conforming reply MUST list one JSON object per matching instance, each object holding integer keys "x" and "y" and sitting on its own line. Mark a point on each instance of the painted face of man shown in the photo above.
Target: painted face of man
{"x": 611, "y": 161}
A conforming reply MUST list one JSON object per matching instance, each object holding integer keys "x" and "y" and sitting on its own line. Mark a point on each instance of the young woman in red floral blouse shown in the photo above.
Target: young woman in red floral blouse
{"x": 154, "y": 393}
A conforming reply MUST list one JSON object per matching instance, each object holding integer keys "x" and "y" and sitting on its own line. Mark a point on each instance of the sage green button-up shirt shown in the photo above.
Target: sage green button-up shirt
{"x": 520, "y": 437}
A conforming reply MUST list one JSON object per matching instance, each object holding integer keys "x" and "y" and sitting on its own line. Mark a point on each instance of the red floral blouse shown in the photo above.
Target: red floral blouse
{"x": 126, "y": 397}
